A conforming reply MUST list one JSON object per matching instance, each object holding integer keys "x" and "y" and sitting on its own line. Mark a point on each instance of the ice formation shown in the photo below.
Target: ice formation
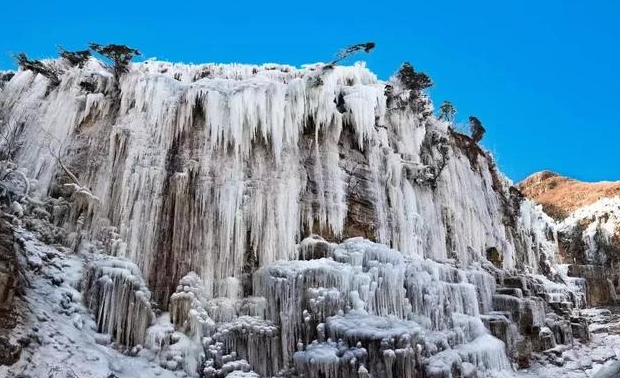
{"x": 598, "y": 225}
{"x": 208, "y": 186}
{"x": 113, "y": 289}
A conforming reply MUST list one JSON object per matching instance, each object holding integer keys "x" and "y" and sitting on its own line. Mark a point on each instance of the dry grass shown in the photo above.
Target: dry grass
{"x": 560, "y": 195}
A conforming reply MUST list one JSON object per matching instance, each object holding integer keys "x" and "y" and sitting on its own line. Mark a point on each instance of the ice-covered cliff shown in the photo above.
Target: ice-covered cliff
{"x": 209, "y": 179}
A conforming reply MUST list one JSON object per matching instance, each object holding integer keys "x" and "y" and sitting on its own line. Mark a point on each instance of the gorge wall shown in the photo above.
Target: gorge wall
{"x": 227, "y": 195}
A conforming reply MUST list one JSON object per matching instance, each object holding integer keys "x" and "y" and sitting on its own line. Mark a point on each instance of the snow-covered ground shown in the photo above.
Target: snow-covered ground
{"x": 579, "y": 360}
{"x": 58, "y": 331}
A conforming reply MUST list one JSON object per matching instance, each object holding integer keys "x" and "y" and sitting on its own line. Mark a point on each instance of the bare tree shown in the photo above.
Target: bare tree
{"x": 57, "y": 154}
{"x": 9, "y": 132}
{"x": 82, "y": 196}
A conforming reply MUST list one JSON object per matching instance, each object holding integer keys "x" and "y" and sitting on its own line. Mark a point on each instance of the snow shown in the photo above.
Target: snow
{"x": 62, "y": 332}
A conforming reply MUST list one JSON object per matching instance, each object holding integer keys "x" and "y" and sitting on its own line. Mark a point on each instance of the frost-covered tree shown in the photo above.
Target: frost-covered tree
{"x": 120, "y": 55}
{"x": 39, "y": 67}
{"x": 9, "y": 132}
{"x": 75, "y": 58}
{"x": 476, "y": 128}
{"x": 415, "y": 83}
{"x": 447, "y": 111}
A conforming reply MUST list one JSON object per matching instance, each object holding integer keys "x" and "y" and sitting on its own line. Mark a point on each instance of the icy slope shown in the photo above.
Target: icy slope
{"x": 56, "y": 330}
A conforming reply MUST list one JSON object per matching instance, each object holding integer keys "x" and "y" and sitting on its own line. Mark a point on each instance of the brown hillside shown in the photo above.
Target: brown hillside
{"x": 560, "y": 195}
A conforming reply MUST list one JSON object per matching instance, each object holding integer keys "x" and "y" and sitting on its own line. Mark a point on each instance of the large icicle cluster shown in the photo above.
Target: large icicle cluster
{"x": 359, "y": 310}
{"x": 234, "y": 164}
{"x": 114, "y": 291}
{"x": 210, "y": 177}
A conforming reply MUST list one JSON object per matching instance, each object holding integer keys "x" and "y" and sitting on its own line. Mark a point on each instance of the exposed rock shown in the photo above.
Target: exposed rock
{"x": 600, "y": 287}
{"x": 9, "y": 353}
{"x": 8, "y": 271}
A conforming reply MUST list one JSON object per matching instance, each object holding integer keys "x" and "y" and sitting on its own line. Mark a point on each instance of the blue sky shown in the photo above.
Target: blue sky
{"x": 543, "y": 76}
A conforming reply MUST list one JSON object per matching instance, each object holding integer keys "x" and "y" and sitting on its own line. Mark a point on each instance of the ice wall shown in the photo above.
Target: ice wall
{"x": 222, "y": 169}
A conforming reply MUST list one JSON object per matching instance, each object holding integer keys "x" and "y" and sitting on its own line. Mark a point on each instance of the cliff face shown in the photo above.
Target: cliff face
{"x": 221, "y": 169}
{"x": 209, "y": 178}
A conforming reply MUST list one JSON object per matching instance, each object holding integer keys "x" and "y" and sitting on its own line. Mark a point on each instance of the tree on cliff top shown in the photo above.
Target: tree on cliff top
{"x": 476, "y": 128}
{"x": 75, "y": 58}
{"x": 120, "y": 55}
{"x": 350, "y": 50}
{"x": 447, "y": 111}
{"x": 412, "y": 80}
{"x": 39, "y": 67}
{"x": 415, "y": 82}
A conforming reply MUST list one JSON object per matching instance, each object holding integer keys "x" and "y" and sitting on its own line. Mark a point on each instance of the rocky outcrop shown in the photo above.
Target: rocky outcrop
{"x": 560, "y": 196}
{"x": 9, "y": 353}
{"x": 5, "y": 76}
{"x": 8, "y": 270}
{"x": 587, "y": 229}
{"x": 601, "y": 283}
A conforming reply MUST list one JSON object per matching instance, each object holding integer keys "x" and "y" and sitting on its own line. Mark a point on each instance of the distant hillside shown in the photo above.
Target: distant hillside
{"x": 560, "y": 195}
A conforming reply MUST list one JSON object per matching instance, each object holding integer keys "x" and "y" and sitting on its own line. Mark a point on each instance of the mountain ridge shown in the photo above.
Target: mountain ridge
{"x": 560, "y": 195}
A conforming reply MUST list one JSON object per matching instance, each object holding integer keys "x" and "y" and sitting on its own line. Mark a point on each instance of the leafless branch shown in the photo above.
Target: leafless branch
{"x": 57, "y": 155}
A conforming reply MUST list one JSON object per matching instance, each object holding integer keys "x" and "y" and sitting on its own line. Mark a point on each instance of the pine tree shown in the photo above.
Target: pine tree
{"x": 476, "y": 128}
{"x": 447, "y": 111}
{"x": 121, "y": 55}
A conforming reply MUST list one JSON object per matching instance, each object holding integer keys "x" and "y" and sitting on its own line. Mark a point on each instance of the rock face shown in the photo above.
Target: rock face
{"x": 600, "y": 282}
{"x": 8, "y": 270}
{"x": 294, "y": 222}
{"x": 9, "y": 353}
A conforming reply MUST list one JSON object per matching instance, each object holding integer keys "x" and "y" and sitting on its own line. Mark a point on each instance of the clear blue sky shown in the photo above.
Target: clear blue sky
{"x": 542, "y": 75}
